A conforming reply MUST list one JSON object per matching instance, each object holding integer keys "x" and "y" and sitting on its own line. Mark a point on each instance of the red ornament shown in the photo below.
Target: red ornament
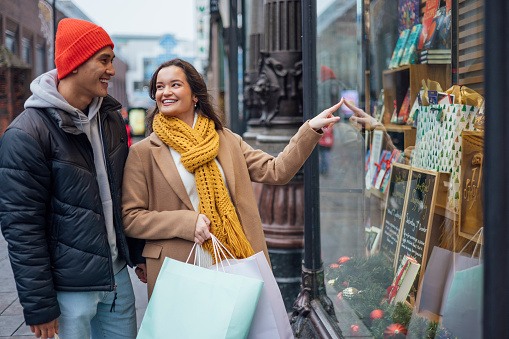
{"x": 343, "y": 260}
{"x": 376, "y": 314}
{"x": 395, "y": 331}
{"x": 354, "y": 329}
{"x": 334, "y": 266}
{"x": 345, "y": 284}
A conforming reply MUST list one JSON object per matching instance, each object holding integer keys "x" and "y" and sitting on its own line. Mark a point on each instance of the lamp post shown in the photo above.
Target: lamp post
{"x": 313, "y": 311}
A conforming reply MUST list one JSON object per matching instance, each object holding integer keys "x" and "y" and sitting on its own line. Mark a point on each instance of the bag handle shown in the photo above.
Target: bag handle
{"x": 479, "y": 235}
{"x": 192, "y": 249}
{"x": 220, "y": 252}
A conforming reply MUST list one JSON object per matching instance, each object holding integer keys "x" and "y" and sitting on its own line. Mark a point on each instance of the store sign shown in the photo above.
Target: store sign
{"x": 471, "y": 213}
{"x": 394, "y": 211}
{"x": 407, "y": 227}
{"x": 418, "y": 215}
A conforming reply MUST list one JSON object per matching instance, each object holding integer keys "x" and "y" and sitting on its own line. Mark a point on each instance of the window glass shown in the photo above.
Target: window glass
{"x": 10, "y": 41}
{"x": 27, "y": 51}
{"x": 400, "y": 199}
{"x": 40, "y": 59}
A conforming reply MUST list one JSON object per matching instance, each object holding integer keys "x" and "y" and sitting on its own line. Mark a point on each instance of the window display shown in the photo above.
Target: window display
{"x": 419, "y": 271}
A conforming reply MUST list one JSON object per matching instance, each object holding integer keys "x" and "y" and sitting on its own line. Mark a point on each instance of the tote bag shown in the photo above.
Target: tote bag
{"x": 463, "y": 310}
{"x": 192, "y": 302}
{"x": 270, "y": 319}
{"x": 439, "y": 274}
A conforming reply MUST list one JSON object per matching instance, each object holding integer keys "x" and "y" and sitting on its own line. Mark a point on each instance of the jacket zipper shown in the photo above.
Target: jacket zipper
{"x": 112, "y": 309}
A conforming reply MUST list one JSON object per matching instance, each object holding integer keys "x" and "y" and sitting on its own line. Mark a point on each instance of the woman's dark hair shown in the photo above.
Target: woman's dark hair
{"x": 198, "y": 88}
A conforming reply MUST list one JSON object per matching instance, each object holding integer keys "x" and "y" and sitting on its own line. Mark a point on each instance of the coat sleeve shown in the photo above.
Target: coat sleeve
{"x": 143, "y": 223}
{"x": 267, "y": 169}
{"x": 25, "y": 180}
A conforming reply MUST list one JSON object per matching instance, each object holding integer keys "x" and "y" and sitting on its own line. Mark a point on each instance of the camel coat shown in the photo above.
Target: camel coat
{"x": 157, "y": 208}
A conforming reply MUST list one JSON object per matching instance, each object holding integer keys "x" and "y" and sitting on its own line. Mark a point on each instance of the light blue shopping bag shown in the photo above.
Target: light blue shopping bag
{"x": 463, "y": 310}
{"x": 192, "y": 302}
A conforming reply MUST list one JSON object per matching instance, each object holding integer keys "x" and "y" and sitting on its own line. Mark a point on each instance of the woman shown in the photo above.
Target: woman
{"x": 192, "y": 177}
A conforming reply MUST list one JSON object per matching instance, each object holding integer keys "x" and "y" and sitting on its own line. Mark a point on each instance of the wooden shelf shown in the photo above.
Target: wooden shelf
{"x": 398, "y": 128}
{"x": 409, "y": 133}
{"x": 397, "y": 81}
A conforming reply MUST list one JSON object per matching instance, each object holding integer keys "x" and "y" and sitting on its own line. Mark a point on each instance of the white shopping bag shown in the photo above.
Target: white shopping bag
{"x": 270, "y": 319}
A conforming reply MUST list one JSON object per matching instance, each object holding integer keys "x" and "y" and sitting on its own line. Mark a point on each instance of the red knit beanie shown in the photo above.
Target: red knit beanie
{"x": 76, "y": 41}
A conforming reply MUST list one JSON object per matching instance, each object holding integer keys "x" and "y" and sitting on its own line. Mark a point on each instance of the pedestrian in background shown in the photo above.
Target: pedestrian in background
{"x": 191, "y": 177}
{"x": 61, "y": 168}
{"x": 325, "y": 146}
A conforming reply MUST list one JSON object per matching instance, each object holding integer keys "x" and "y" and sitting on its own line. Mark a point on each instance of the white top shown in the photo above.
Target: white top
{"x": 190, "y": 185}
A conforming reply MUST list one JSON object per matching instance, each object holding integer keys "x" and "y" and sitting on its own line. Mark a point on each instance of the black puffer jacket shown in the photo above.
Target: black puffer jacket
{"x": 50, "y": 208}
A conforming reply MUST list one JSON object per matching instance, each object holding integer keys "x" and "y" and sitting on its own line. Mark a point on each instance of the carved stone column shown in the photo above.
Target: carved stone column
{"x": 273, "y": 100}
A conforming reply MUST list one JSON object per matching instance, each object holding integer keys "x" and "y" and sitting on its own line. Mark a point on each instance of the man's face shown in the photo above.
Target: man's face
{"x": 93, "y": 75}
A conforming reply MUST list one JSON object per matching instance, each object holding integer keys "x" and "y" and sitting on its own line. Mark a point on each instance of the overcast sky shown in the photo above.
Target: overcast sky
{"x": 144, "y": 17}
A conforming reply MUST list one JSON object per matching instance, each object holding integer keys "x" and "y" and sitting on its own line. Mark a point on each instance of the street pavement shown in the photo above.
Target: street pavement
{"x": 12, "y": 324}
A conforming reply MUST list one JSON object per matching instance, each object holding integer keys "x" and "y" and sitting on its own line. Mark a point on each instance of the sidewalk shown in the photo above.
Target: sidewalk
{"x": 12, "y": 324}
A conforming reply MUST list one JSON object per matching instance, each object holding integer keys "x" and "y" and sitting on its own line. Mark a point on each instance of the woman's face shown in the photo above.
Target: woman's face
{"x": 173, "y": 94}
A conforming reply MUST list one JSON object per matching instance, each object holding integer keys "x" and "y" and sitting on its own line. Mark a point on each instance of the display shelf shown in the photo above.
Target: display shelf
{"x": 397, "y": 81}
{"x": 409, "y": 133}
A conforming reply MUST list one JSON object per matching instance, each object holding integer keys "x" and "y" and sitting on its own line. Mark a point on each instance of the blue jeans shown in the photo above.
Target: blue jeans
{"x": 86, "y": 314}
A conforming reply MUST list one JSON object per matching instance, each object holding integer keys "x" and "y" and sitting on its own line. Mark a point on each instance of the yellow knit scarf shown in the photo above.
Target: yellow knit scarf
{"x": 198, "y": 148}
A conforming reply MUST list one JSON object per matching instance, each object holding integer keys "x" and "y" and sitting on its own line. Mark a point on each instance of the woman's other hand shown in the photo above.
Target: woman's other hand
{"x": 326, "y": 119}
{"x": 202, "y": 230}
{"x": 141, "y": 272}
{"x": 360, "y": 118}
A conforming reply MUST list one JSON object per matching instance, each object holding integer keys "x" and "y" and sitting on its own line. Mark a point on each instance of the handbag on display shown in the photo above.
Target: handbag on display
{"x": 463, "y": 309}
{"x": 189, "y": 301}
{"x": 440, "y": 273}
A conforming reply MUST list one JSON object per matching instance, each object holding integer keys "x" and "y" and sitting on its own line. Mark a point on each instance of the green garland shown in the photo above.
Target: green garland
{"x": 371, "y": 277}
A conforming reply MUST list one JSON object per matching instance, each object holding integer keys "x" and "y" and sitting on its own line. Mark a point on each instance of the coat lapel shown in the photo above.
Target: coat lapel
{"x": 164, "y": 160}
{"x": 225, "y": 159}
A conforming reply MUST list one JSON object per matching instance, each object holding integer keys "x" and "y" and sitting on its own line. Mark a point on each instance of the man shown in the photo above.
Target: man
{"x": 61, "y": 169}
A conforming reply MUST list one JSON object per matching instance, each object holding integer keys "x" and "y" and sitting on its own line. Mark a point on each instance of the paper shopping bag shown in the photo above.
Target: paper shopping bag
{"x": 463, "y": 310}
{"x": 270, "y": 319}
{"x": 189, "y": 301}
{"x": 438, "y": 278}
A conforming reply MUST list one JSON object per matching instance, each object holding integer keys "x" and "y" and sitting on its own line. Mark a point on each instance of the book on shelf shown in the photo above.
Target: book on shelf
{"x": 403, "y": 280}
{"x": 435, "y": 57}
{"x": 429, "y": 14}
{"x": 437, "y": 30}
{"x": 398, "y": 50}
{"x": 410, "y": 52}
{"x": 404, "y": 110}
{"x": 436, "y": 61}
{"x": 408, "y": 14}
{"x": 414, "y": 111}
{"x": 394, "y": 158}
{"x": 426, "y": 52}
{"x": 444, "y": 34}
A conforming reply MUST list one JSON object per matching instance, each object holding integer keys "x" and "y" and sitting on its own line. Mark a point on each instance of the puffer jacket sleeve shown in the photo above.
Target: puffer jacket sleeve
{"x": 25, "y": 180}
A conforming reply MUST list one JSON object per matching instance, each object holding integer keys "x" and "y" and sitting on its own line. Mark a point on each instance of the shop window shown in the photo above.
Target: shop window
{"x": 401, "y": 209}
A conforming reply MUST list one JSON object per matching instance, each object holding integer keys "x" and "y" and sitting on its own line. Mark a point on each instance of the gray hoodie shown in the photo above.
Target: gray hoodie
{"x": 46, "y": 95}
